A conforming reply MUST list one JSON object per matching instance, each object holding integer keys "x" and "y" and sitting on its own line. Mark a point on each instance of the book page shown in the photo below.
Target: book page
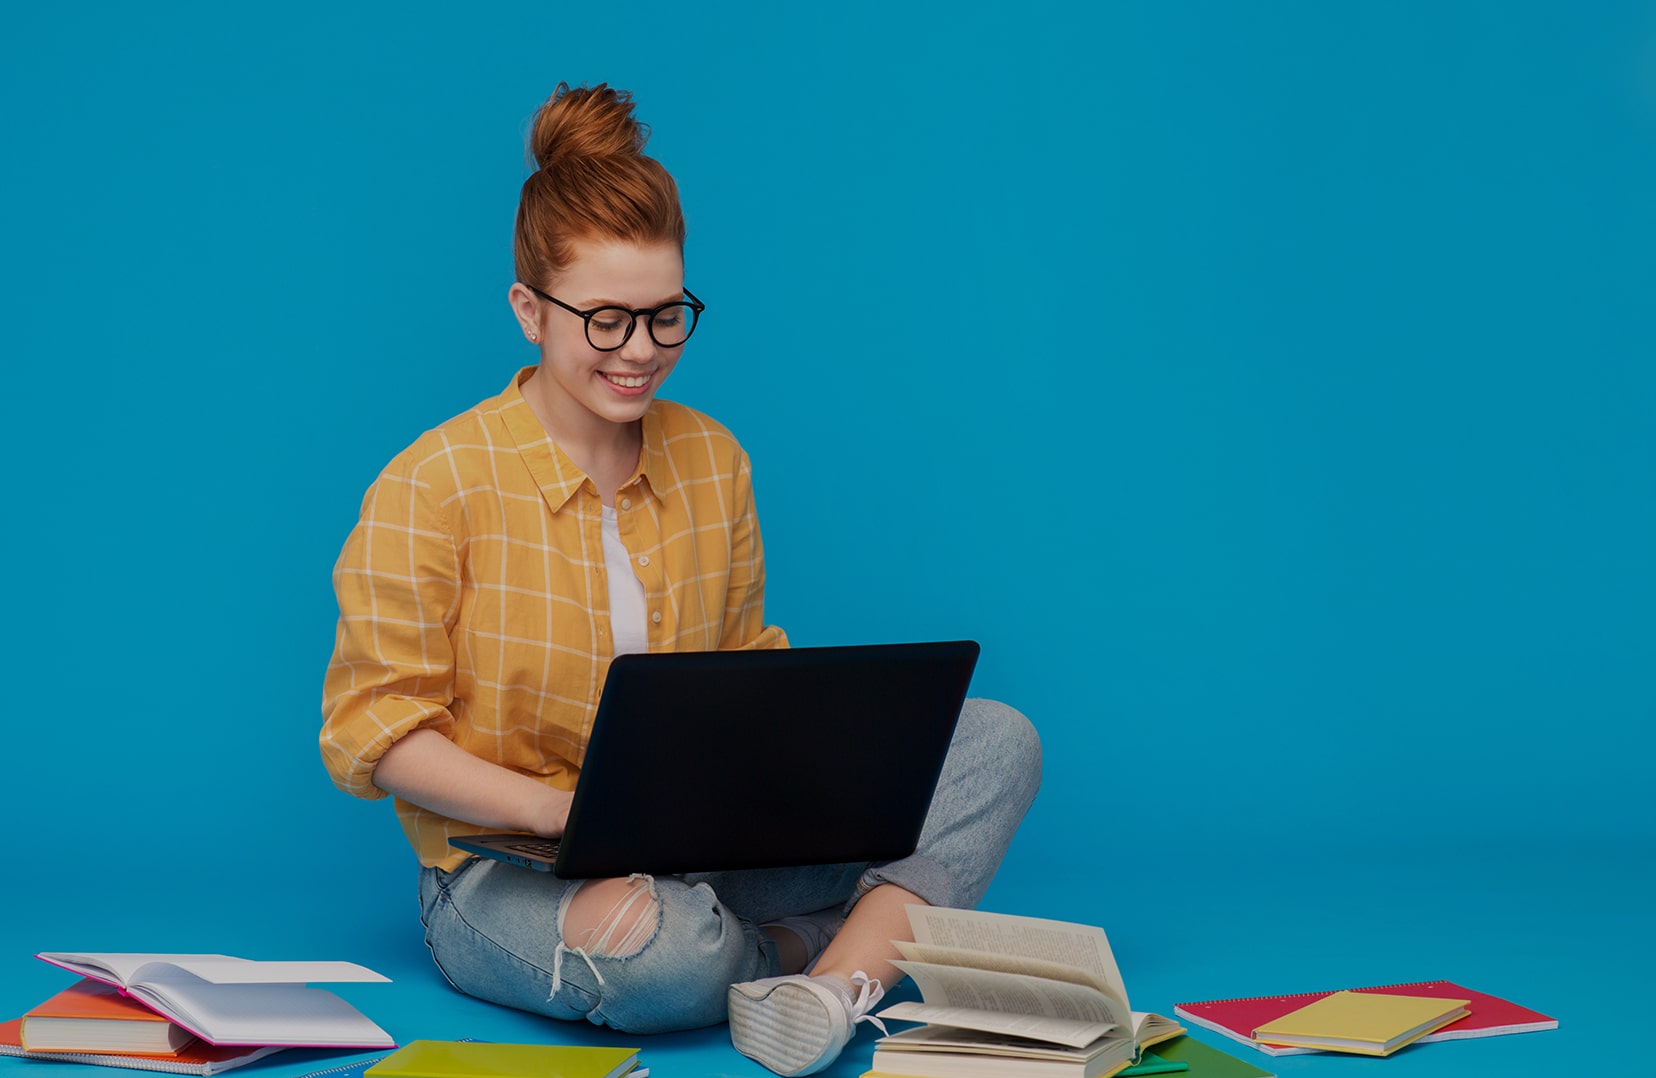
{"x": 1054, "y": 1030}
{"x": 261, "y": 1013}
{"x": 1083, "y": 947}
{"x": 218, "y": 969}
{"x": 1151, "y": 1029}
{"x": 1014, "y": 993}
{"x": 118, "y": 969}
{"x": 982, "y": 1042}
{"x": 125, "y": 969}
{"x": 1004, "y": 963}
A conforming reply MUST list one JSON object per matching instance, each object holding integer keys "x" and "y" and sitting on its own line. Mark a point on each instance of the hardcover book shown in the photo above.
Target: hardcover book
{"x": 198, "y": 1058}
{"x": 90, "y": 1016}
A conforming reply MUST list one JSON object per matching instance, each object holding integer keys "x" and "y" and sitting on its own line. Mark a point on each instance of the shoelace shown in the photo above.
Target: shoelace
{"x": 869, "y": 993}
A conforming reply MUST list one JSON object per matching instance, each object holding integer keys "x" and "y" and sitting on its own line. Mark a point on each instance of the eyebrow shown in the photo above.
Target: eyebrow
{"x": 677, "y": 297}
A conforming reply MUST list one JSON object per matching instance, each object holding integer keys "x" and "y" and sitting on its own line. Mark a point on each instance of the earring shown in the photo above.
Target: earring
{"x": 534, "y": 338}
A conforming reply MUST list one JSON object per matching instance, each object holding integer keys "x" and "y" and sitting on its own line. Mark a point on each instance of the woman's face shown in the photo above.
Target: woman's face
{"x": 586, "y": 384}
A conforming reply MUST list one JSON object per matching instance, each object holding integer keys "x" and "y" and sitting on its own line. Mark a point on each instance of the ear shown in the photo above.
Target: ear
{"x": 527, "y": 309}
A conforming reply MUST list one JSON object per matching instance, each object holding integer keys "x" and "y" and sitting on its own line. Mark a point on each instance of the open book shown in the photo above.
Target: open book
{"x": 1014, "y": 996}
{"x": 226, "y": 1000}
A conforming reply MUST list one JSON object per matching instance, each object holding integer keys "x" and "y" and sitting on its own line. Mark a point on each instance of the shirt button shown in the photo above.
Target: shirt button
{"x": 643, "y": 559}
{"x": 656, "y": 617}
{"x": 626, "y": 503}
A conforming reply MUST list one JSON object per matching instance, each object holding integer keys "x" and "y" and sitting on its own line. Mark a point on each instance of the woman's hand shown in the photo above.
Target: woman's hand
{"x": 433, "y": 772}
{"x": 553, "y": 814}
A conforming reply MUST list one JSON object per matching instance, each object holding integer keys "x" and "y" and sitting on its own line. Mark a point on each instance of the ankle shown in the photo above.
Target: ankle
{"x": 802, "y": 939}
{"x": 791, "y": 953}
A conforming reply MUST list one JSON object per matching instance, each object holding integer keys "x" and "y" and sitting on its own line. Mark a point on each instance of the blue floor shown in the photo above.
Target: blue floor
{"x": 1561, "y": 927}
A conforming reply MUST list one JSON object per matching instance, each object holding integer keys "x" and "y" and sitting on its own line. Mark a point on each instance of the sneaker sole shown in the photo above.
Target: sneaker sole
{"x": 789, "y": 1027}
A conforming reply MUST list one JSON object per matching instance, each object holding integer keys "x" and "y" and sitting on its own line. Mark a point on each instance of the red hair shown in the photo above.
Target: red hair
{"x": 593, "y": 182}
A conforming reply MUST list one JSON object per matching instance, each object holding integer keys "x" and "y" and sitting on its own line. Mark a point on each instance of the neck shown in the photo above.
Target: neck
{"x": 607, "y": 452}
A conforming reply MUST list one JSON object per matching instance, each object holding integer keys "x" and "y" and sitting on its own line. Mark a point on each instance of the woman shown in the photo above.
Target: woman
{"x": 506, "y": 556}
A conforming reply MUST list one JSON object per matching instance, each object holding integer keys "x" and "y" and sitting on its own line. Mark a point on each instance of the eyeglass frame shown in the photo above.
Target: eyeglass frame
{"x": 635, "y": 313}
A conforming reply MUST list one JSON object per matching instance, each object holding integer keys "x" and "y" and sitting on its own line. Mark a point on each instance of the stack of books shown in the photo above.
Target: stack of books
{"x": 188, "y": 1014}
{"x": 1366, "y": 1021}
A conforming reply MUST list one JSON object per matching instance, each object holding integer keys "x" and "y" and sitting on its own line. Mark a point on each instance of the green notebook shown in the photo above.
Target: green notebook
{"x": 1151, "y": 1063}
{"x": 473, "y": 1059}
{"x": 1207, "y": 1062}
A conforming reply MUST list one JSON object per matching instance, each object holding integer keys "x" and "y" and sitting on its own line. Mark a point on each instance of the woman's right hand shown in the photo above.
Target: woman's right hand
{"x": 553, "y": 812}
{"x": 429, "y": 770}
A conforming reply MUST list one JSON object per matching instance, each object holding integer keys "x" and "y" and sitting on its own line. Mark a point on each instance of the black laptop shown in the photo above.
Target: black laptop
{"x": 711, "y": 760}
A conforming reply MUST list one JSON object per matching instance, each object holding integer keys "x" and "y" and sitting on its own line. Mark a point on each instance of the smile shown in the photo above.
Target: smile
{"x": 635, "y": 381}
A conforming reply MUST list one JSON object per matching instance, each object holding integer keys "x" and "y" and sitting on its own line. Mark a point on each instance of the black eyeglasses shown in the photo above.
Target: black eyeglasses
{"x": 608, "y": 328}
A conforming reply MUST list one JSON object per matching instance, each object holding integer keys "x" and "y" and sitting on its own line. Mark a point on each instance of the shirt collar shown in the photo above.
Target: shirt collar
{"x": 653, "y": 463}
{"x": 555, "y": 474}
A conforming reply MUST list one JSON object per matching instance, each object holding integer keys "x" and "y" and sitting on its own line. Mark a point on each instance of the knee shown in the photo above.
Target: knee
{"x": 667, "y": 970}
{"x": 1004, "y": 735}
{"x": 612, "y": 918}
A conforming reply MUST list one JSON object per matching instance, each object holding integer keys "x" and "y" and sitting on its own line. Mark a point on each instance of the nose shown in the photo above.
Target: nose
{"x": 640, "y": 347}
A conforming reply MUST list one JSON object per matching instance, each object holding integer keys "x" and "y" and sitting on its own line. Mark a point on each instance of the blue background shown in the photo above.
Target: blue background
{"x": 1268, "y": 387}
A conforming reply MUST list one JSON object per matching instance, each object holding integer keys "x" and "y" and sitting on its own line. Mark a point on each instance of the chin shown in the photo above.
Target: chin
{"x": 628, "y": 412}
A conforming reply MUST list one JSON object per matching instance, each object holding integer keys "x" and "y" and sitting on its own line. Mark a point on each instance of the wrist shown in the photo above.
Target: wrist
{"x": 550, "y": 811}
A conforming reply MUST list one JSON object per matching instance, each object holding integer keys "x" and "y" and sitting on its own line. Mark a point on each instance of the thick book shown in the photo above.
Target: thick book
{"x": 1489, "y": 1016}
{"x": 933, "y": 1051}
{"x": 1367, "y": 1023}
{"x": 474, "y": 1059}
{"x": 197, "y": 1058}
{"x": 1012, "y": 996}
{"x": 90, "y": 1016}
{"x": 237, "y": 1001}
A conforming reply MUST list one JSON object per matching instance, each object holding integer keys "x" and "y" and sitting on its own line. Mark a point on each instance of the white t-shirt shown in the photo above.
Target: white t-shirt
{"x": 626, "y": 593}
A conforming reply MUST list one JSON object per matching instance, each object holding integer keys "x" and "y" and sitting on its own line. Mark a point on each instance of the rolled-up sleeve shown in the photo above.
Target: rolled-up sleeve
{"x": 393, "y": 667}
{"x": 744, "y": 616}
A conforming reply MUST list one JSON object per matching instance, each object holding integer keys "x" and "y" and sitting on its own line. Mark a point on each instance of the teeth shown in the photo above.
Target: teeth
{"x": 626, "y": 382}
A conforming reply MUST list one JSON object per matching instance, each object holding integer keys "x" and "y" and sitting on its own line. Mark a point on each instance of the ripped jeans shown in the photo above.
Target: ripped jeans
{"x": 495, "y": 930}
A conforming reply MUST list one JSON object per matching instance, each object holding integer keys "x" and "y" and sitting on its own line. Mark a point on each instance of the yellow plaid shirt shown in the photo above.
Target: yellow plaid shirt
{"x": 474, "y": 600}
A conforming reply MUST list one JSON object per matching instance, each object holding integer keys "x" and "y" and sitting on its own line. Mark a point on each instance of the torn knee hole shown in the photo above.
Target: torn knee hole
{"x": 611, "y": 918}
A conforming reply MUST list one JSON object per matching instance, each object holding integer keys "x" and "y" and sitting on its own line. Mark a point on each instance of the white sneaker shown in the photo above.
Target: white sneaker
{"x": 798, "y": 1024}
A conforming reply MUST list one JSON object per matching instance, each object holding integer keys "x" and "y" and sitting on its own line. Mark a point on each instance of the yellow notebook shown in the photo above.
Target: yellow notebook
{"x": 475, "y": 1059}
{"x": 1368, "y": 1023}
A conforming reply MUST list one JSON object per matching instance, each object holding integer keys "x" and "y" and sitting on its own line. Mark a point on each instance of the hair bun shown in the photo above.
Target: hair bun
{"x": 594, "y": 181}
{"x": 585, "y": 122}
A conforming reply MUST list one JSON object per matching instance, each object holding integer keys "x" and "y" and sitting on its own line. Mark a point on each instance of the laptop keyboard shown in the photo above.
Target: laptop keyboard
{"x": 546, "y": 849}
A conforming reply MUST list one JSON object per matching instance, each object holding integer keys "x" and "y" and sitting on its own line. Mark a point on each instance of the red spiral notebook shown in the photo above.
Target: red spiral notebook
{"x": 1491, "y": 1016}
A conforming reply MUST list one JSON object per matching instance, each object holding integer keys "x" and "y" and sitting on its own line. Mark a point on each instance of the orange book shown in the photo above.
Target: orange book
{"x": 196, "y": 1058}
{"x": 93, "y": 1017}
